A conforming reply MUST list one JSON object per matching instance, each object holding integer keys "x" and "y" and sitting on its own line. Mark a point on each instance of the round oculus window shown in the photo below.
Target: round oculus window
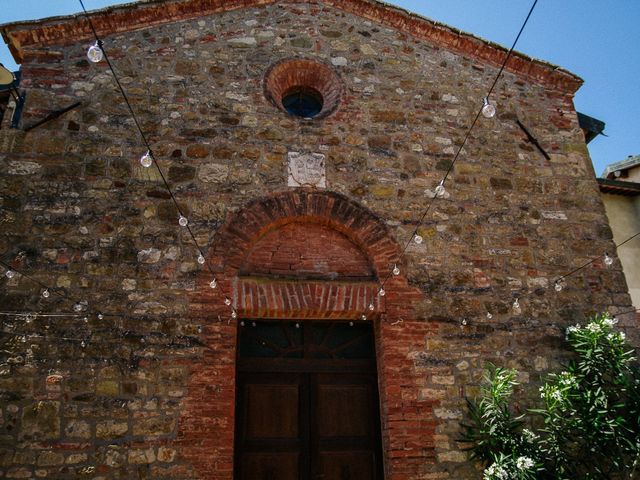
{"x": 303, "y": 88}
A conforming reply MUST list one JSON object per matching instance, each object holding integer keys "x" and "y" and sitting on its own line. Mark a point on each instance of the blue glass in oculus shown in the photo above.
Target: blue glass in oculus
{"x": 302, "y": 102}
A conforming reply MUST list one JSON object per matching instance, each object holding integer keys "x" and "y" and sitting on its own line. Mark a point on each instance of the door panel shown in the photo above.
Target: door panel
{"x": 272, "y": 466}
{"x": 271, "y": 411}
{"x": 269, "y": 442}
{"x": 307, "y": 406}
{"x": 346, "y": 466}
{"x": 343, "y": 410}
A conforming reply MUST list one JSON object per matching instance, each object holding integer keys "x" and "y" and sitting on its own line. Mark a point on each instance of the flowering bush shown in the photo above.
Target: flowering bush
{"x": 589, "y": 418}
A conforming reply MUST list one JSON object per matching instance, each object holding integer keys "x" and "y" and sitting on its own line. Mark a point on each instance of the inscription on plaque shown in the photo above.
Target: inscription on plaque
{"x": 306, "y": 170}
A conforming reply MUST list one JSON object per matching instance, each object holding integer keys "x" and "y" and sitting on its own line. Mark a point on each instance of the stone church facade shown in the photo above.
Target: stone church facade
{"x": 301, "y": 221}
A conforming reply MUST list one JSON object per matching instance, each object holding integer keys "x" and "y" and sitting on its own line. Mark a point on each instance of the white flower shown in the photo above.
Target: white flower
{"x": 556, "y": 395}
{"x": 622, "y": 335}
{"x": 593, "y": 327}
{"x": 529, "y": 435}
{"x": 568, "y": 380}
{"x": 610, "y": 322}
{"x": 495, "y": 471}
{"x": 524, "y": 463}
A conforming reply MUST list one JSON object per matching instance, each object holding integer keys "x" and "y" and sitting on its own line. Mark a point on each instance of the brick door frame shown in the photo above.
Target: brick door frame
{"x": 206, "y": 427}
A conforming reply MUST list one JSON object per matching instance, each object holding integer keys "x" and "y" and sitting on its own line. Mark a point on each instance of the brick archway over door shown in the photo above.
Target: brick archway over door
{"x": 269, "y": 257}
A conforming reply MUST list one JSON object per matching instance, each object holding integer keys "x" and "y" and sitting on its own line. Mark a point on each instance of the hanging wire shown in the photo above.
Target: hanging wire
{"x": 150, "y": 150}
{"x": 464, "y": 141}
{"x": 561, "y": 278}
{"x": 191, "y": 234}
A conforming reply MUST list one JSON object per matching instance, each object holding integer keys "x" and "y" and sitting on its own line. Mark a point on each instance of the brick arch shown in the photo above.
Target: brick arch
{"x": 341, "y": 297}
{"x": 206, "y": 429}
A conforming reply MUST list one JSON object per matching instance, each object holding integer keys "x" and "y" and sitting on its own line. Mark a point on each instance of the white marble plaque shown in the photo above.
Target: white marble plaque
{"x": 306, "y": 170}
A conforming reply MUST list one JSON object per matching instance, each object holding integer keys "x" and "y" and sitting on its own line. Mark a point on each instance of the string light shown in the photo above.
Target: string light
{"x": 488, "y": 110}
{"x": 100, "y": 316}
{"x": 558, "y": 285}
{"x": 200, "y": 259}
{"x": 10, "y": 274}
{"x": 440, "y": 190}
{"x": 95, "y": 53}
{"x": 489, "y": 316}
{"x": 45, "y": 293}
{"x": 382, "y": 292}
{"x": 146, "y": 160}
{"x": 418, "y": 239}
{"x": 363, "y": 317}
{"x": 182, "y": 221}
{"x": 464, "y": 322}
{"x": 516, "y": 306}
{"x": 396, "y": 270}
{"x": 227, "y": 301}
{"x": 213, "y": 284}
{"x": 234, "y": 315}
{"x": 371, "y": 306}
{"x": 608, "y": 261}
{"x": 77, "y": 307}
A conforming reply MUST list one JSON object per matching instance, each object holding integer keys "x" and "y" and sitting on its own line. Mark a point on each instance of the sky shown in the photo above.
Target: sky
{"x": 597, "y": 40}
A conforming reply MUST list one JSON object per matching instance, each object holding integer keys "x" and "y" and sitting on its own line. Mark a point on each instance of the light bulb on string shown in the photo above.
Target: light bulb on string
{"x": 396, "y": 270}
{"x": 363, "y": 317}
{"x": 372, "y": 306}
{"x": 558, "y": 285}
{"x": 45, "y": 293}
{"x": 381, "y": 292}
{"x": 95, "y": 53}
{"x": 182, "y": 221}
{"x": 146, "y": 160}
{"x": 100, "y": 316}
{"x": 516, "y": 306}
{"x": 9, "y": 274}
{"x": 440, "y": 190}
{"x": 489, "y": 316}
{"x": 464, "y": 322}
{"x": 488, "y": 110}
{"x": 417, "y": 238}
{"x": 200, "y": 259}
{"x": 213, "y": 283}
{"x": 234, "y": 315}
{"x": 77, "y": 307}
{"x": 227, "y": 301}
{"x": 608, "y": 261}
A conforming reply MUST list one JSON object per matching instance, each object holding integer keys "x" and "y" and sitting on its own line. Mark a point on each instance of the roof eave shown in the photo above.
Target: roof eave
{"x": 22, "y": 36}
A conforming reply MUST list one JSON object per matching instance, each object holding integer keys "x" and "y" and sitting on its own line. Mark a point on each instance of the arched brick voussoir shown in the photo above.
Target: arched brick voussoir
{"x": 260, "y": 216}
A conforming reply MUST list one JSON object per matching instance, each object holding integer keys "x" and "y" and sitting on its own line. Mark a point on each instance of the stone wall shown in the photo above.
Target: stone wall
{"x": 147, "y": 391}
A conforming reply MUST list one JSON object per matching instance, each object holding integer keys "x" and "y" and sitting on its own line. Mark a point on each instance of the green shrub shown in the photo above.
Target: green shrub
{"x": 589, "y": 417}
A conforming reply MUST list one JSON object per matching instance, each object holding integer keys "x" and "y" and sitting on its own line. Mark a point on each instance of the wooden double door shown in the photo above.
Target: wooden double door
{"x": 307, "y": 402}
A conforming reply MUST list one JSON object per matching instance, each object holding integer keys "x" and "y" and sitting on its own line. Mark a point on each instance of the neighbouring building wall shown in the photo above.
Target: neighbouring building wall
{"x": 151, "y": 391}
{"x": 624, "y": 217}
